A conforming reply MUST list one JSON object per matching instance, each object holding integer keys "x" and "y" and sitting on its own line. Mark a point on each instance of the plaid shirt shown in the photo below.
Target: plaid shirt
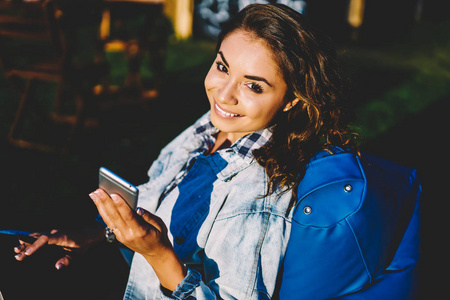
{"x": 243, "y": 146}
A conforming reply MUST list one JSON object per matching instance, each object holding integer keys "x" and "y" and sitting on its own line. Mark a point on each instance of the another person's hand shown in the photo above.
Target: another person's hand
{"x": 73, "y": 242}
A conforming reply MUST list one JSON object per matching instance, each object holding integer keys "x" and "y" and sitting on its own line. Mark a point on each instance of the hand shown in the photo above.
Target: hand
{"x": 75, "y": 241}
{"x": 140, "y": 231}
{"x": 144, "y": 233}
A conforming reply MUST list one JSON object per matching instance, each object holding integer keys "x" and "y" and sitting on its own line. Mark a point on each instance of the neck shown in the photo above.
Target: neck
{"x": 222, "y": 142}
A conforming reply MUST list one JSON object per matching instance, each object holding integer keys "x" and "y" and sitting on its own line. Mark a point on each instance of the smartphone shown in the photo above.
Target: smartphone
{"x": 114, "y": 184}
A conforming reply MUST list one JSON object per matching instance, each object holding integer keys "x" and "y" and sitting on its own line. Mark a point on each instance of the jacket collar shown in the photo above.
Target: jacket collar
{"x": 230, "y": 161}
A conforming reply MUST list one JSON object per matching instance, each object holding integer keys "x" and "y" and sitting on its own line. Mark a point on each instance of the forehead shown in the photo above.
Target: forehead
{"x": 244, "y": 49}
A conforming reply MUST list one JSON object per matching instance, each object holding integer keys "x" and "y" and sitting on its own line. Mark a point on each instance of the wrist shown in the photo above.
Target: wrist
{"x": 168, "y": 267}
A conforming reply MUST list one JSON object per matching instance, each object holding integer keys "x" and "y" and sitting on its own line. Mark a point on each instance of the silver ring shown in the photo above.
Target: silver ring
{"x": 112, "y": 230}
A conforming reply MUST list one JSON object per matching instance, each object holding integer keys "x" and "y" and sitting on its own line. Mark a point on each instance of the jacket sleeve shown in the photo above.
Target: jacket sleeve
{"x": 354, "y": 230}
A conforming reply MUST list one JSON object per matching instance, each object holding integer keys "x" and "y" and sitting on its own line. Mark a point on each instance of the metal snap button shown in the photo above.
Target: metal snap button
{"x": 348, "y": 188}
{"x": 307, "y": 210}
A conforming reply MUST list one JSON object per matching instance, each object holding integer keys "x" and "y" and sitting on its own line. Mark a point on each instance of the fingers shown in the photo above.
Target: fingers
{"x": 140, "y": 231}
{"x": 63, "y": 262}
{"x": 41, "y": 241}
{"x": 106, "y": 207}
{"x": 20, "y": 251}
{"x": 114, "y": 210}
{"x": 27, "y": 249}
{"x": 151, "y": 219}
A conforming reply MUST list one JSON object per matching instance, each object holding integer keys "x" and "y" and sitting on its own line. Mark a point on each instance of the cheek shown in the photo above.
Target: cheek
{"x": 207, "y": 81}
{"x": 211, "y": 79}
{"x": 262, "y": 109}
{"x": 264, "y": 112}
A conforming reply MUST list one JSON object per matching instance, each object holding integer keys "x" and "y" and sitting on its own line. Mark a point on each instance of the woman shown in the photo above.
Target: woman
{"x": 215, "y": 217}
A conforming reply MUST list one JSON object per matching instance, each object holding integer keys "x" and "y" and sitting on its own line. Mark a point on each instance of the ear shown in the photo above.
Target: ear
{"x": 291, "y": 104}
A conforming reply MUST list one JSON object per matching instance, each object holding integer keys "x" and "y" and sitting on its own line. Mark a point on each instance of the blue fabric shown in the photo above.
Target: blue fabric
{"x": 189, "y": 283}
{"x": 229, "y": 235}
{"x": 15, "y": 232}
{"x": 355, "y": 231}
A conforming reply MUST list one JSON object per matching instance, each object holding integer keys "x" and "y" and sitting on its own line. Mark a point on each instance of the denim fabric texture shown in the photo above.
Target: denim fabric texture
{"x": 231, "y": 238}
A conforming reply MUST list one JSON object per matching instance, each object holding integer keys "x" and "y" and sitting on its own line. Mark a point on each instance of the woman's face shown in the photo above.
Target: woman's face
{"x": 245, "y": 87}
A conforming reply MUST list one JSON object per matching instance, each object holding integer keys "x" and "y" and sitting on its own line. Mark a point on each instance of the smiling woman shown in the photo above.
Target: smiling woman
{"x": 263, "y": 178}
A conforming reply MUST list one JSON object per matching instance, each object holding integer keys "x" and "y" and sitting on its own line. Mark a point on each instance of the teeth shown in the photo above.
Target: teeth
{"x": 226, "y": 113}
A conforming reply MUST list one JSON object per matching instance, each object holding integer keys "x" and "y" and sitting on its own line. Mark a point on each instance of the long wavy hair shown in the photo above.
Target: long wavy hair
{"x": 308, "y": 63}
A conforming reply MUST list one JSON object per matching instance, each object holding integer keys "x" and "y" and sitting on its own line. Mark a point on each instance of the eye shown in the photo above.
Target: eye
{"x": 255, "y": 87}
{"x": 221, "y": 67}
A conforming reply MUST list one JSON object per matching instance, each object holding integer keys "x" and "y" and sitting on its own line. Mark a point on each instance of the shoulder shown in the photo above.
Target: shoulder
{"x": 176, "y": 152}
{"x": 187, "y": 138}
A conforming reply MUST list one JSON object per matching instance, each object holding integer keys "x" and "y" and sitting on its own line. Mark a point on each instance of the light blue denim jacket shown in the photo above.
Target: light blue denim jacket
{"x": 231, "y": 238}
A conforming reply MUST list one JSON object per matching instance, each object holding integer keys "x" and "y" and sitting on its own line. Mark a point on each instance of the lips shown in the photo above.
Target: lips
{"x": 225, "y": 114}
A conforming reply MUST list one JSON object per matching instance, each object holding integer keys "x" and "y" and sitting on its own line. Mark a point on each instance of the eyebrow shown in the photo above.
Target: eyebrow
{"x": 257, "y": 78}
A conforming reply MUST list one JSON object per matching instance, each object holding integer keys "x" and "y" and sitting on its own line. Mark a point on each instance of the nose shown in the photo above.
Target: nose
{"x": 227, "y": 93}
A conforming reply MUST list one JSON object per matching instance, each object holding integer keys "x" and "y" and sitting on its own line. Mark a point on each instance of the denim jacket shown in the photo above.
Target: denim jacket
{"x": 231, "y": 238}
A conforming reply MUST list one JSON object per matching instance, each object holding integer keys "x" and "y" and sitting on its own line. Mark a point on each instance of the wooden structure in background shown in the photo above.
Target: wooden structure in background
{"x": 75, "y": 35}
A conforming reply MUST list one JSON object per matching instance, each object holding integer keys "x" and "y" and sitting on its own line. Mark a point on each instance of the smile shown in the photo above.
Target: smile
{"x": 224, "y": 113}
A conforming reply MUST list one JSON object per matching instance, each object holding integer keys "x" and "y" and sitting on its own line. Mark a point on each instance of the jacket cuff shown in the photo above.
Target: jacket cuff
{"x": 188, "y": 285}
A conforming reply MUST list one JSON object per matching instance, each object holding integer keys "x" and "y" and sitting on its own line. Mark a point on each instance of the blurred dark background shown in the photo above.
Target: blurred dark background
{"x": 127, "y": 93}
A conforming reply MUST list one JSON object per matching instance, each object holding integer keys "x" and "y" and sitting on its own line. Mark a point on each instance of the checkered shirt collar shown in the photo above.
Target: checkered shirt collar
{"x": 243, "y": 147}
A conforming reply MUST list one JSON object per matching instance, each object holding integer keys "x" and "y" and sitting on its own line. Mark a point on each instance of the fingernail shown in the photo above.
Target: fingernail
{"x": 93, "y": 196}
{"x": 29, "y": 252}
{"x": 59, "y": 266}
{"x": 115, "y": 198}
{"x": 18, "y": 255}
{"x": 140, "y": 211}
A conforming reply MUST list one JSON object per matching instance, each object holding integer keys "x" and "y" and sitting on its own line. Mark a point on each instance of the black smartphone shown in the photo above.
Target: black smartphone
{"x": 114, "y": 184}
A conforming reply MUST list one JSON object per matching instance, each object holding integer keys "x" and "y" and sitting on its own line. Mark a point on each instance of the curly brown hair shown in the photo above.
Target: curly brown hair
{"x": 308, "y": 63}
